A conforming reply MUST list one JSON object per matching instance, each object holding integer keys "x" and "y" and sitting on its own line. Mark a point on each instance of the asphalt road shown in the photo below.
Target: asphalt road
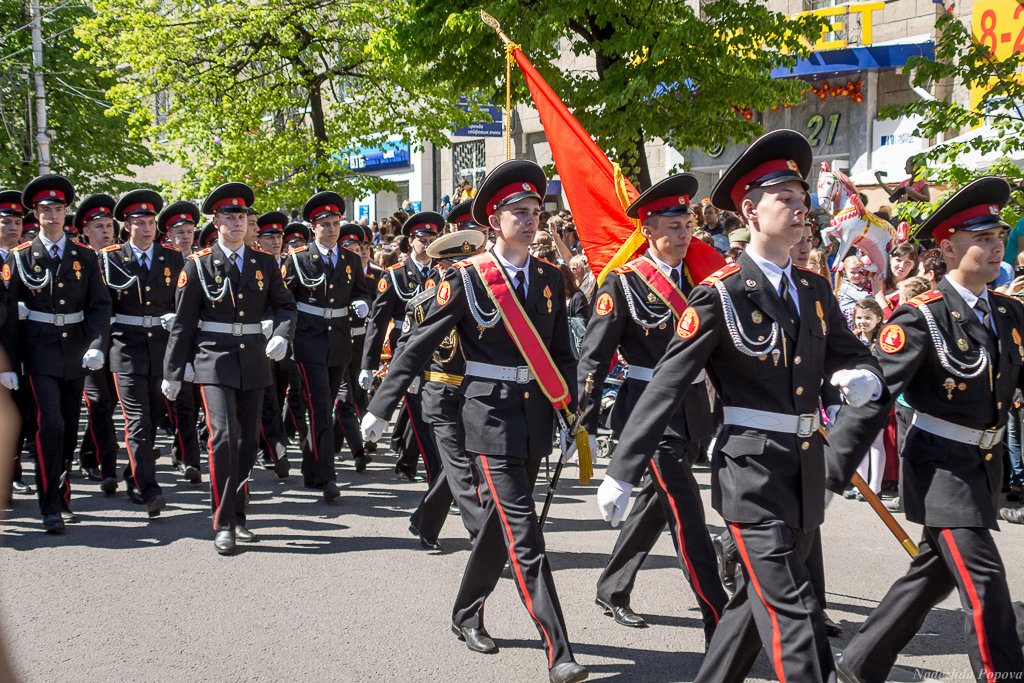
{"x": 343, "y": 592}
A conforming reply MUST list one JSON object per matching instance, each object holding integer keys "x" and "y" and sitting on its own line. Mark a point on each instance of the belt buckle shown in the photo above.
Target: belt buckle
{"x": 988, "y": 438}
{"x": 806, "y": 425}
{"x": 58, "y": 319}
{"x": 328, "y": 313}
{"x": 236, "y": 329}
{"x": 147, "y": 321}
{"x": 522, "y": 374}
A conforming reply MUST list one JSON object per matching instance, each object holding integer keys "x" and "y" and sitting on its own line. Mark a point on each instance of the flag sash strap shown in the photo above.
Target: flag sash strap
{"x": 659, "y": 283}
{"x": 522, "y": 331}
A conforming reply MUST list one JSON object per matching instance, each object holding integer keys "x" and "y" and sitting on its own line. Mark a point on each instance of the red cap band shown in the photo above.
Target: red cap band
{"x": 181, "y": 217}
{"x": 229, "y": 201}
{"x": 506, "y": 192}
{"x": 423, "y": 226}
{"x": 12, "y": 207}
{"x": 95, "y": 211}
{"x": 662, "y": 204}
{"x": 947, "y": 227}
{"x": 141, "y": 206}
{"x": 739, "y": 189}
{"x": 321, "y": 210}
{"x": 48, "y": 194}
{"x": 271, "y": 226}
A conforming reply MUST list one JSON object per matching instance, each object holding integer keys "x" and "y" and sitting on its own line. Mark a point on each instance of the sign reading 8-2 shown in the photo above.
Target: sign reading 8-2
{"x": 823, "y": 130}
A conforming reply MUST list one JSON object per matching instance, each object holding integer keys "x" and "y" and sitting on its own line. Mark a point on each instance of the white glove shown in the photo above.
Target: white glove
{"x": 277, "y": 347}
{"x": 372, "y": 427}
{"x": 9, "y": 380}
{"x": 612, "y": 499}
{"x": 414, "y": 385}
{"x": 22, "y": 310}
{"x": 361, "y": 308}
{"x": 268, "y": 328}
{"x": 170, "y": 388}
{"x": 190, "y": 373}
{"x": 166, "y": 320}
{"x": 92, "y": 360}
{"x": 365, "y": 379}
{"x": 857, "y": 386}
{"x": 830, "y": 413}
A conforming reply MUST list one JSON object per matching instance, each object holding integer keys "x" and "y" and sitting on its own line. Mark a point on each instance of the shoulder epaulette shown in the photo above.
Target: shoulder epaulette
{"x": 171, "y": 247}
{"x": 926, "y": 298}
{"x": 374, "y": 266}
{"x": 201, "y": 252}
{"x": 1004, "y": 295}
{"x": 396, "y": 266}
{"x": 299, "y": 250}
{"x": 82, "y": 244}
{"x": 623, "y": 269}
{"x": 545, "y": 261}
{"x": 259, "y": 251}
{"x": 721, "y": 274}
{"x": 23, "y": 245}
{"x": 112, "y": 247}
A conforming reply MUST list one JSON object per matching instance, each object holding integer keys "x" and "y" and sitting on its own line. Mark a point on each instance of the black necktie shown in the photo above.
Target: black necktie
{"x": 236, "y": 273}
{"x": 55, "y": 256}
{"x": 521, "y": 286}
{"x": 142, "y": 262}
{"x": 675, "y": 277}
{"x": 986, "y": 320}
{"x": 787, "y": 299}
{"x": 329, "y": 261}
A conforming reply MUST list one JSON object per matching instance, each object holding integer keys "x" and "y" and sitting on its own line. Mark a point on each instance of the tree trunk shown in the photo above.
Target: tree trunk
{"x": 316, "y": 117}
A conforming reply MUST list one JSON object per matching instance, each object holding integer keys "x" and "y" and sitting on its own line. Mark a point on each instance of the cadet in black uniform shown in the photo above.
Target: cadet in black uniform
{"x": 141, "y": 275}
{"x": 955, "y": 353}
{"x": 326, "y": 282}
{"x": 12, "y": 214}
{"x": 633, "y": 315}
{"x": 64, "y": 335}
{"x": 766, "y": 333}
{"x": 508, "y": 419}
{"x": 224, "y": 291}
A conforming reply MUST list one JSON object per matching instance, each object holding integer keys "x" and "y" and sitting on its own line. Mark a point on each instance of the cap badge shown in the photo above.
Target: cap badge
{"x": 526, "y": 186}
{"x": 792, "y": 165}
{"x": 993, "y": 209}
{"x": 234, "y": 202}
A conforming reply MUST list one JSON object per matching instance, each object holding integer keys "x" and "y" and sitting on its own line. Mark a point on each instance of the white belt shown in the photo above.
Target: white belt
{"x": 801, "y": 425}
{"x": 56, "y": 319}
{"x": 138, "y": 320}
{"x": 519, "y": 374}
{"x": 325, "y": 313}
{"x": 399, "y": 324}
{"x": 982, "y": 438}
{"x": 236, "y": 329}
{"x": 356, "y": 331}
{"x": 643, "y": 374}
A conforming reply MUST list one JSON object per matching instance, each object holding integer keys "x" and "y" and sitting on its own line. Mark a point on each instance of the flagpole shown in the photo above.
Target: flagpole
{"x": 510, "y": 48}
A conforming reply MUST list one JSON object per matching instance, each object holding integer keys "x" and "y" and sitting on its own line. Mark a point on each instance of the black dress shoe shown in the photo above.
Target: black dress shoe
{"x": 845, "y": 674}
{"x": 568, "y": 672}
{"x": 453, "y": 509}
{"x": 282, "y": 467}
{"x": 331, "y": 491}
{"x": 191, "y": 474}
{"x": 832, "y": 629}
{"x": 267, "y": 462}
{"x": 243, "y": 535}
{"x": 426, "y": 543}
{"x": 407, "y": 474}
{"x": 22, "y": 488}
{"x": 134, "y": 495}
{"x": 476, "y": 639}
{"x": 1012, "y": 515}
{"x": 91, "y": 473}
{"x": 224, "y": 542}
{"x": 154, "y": 506}
{"x": 109, "y": 486}
{"x": 371, "y": 447}
{"x": 726, "y": 567}
{"x": 68, "y": 517}
{"x": 53, "y": 524}
{"x": 310, "y": 484}
{"x": 622, "y": 614}
{"x": 506, "y": 571}
{"x": 362, "y": 460}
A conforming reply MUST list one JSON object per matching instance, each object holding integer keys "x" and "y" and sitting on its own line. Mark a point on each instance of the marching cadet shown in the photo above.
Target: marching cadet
{"x": 767, "y": 333}
{"x": 141, "y": 275}
{"x": 296, "y": 235}
{"x": 636, "y": 312}
{"x": 273, "y": 442}
{"x": 98, "y": 452}
{"x": 955, "y": 353}
{"x": 439, "y": 395}
{"x": 500, "y": 302}
{"x": 63, "y": 336}
{"x": 178, "y": 223}
{"x": 223, "y": 293}
{"x": 326, "y": 282}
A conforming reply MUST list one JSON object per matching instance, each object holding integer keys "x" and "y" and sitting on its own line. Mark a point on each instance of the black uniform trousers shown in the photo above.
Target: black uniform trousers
{"x": 295, "y": 407}
{"x": 670, "y": 495}
{"x": 99, "y": 443}
{"x": 417, "y": 440}
{"x": 232, "y": 417}
{"x": 512, "y": 532}
{"x": 775, "y": 605}
{"x": 183, "y": 414}
{"x": 350, "y": 404}
{"x": 58, "y": 405}
{"x": 965, "y": 559}
{"x": 273, "y": 442}
{"x": 319, "y": 387}
{"x": 141, "y": 402}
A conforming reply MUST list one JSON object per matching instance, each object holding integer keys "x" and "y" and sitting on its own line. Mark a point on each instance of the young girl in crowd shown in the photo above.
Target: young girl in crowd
{"x": 867, "y": 318}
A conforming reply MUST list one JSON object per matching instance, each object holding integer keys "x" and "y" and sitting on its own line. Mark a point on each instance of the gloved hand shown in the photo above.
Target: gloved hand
{"x": 372, "y": 427}
{"x": 414, "y": 385}
{"x": 857, "y": 386}
{"x": 267, "y": 327}
{"x": 166, "y": 320}
{"x": 831, "y": 412}
{"x": 360, "y": 308}
{"x": 190, "y": 373}
{"x": 9, "y": 380}
{"x": 92, "y": 360}
{"x": 613, "y": 498}
{"x": 365, "y": 379}
{"x": 22, "y": 310}
{"x": 170, "y": 388}
{"x": 277, "y": 347}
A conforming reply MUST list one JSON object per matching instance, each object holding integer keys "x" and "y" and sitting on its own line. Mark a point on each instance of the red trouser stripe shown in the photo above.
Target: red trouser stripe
{"x": 88, "y": 421}
{"x": 173, "y": 416}
{"x": 127, "y": 444}
{"x": 682, "y": 541}
{"x": 39, "y": 444}
{"x": 419, "y": 444}
{"x": 976, "y": 613}
{"x": 515, "y": 560}
{"x": 309, "y": 402}
{"x": 776, "y": 633}
{"x": 209, "y": 450}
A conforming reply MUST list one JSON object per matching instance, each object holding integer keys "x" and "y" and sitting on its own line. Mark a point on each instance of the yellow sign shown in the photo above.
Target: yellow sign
{"x": 999, "y": 26}
{"x": 865, "y": 12}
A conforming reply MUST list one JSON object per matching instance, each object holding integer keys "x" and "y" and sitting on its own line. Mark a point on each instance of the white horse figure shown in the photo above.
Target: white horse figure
{"x": 852, "y": 224}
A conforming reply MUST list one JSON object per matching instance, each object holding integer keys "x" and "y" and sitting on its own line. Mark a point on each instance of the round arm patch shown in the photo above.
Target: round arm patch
{"x": 182, "y": 279}
{"x": 605, "y": 304}
{"x": 444, "y": 293}
{"x": 892, "y": 338}
{"x": 382, "y": 285}
{"x": 688, "y": 324}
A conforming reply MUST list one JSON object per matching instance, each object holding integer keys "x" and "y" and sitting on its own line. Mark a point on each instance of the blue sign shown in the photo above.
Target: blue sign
{"x": 494, "y": 129}
{"x": 388, "y": 155}
{"x": 416, "y": 207}
{"x": 364, "y": 212}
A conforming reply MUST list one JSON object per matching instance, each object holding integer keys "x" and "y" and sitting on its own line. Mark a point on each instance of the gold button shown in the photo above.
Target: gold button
{"x": 149, "y": 334}
{"x": 332, "y": 287}
{"x": 329, "y": 328}
{"x": 798, "y": 360}
{"x": 998, "y": 375}
{"x": 60, "y": 284}
{"x": 241, "y": 313}
{"x": 332, "y": 300}
{"x": 148, "y": 288}
{"x": 988, "y": 456}
{"x": 149, "y": 303}
{"x": 999, "y": 405}
{"x": 241, "y": 346}
{"x": 805, "y": 445}
{"x": 799, "y": 391}
{"x": 61, "y": 302}
{"x": 64, "y": 334}
{"x": 526, "y": 394}
{"x": 241, "y": 296}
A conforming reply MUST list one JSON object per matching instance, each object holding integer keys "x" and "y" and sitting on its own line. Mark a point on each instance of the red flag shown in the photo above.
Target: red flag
{"x": 597, "y": 191}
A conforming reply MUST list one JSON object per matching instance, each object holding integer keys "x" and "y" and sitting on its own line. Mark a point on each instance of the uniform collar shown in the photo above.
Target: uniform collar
{"x": 511, "y": 270}
{"x": 61, "y": 243}
{"x": 147, "y": 252}
{"x": 324, "y": 251}
{"x": 969, "y": 297}
{"x": 771, "y": 271}
{"x": 665, "y": 268}
{"x": 227, "y": 252}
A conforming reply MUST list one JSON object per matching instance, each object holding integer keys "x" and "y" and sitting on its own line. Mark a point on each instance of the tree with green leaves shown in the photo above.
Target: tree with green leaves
{"x": 278, "y": 93}
{"x": 661, "y": 69}
{"x": 962, "y": 61}
{"x": 94, "y": 149}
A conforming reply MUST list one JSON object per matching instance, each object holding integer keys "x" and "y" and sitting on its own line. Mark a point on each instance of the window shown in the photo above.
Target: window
{"x": 468, "y": 161}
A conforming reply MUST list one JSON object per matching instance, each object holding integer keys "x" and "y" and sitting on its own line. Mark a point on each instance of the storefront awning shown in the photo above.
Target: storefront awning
{"x": 850, "y": 59}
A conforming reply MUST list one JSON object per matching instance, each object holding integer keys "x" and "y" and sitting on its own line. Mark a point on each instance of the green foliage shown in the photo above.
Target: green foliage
{"x": 646, "y": 70}
{"x": 94, "y": 149}
{"x": 274, "y": 92}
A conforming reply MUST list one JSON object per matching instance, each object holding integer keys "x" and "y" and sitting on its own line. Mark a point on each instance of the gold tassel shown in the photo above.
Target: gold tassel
{"x": 585, "y": 458}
